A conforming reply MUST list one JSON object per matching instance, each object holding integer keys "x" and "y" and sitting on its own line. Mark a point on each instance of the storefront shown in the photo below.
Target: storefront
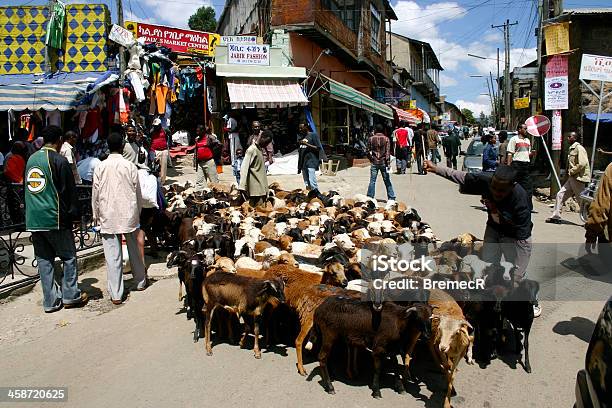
{"x": 345, "y": 116}
{"x": 271, "y": 94}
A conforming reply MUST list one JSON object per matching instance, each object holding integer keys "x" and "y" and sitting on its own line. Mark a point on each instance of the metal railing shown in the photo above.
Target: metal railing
{"x": 14, "y": 239}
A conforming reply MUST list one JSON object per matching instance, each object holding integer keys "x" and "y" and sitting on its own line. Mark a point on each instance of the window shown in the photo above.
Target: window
{"x": 345, "y": 10}
{"x": 375, "y": 35}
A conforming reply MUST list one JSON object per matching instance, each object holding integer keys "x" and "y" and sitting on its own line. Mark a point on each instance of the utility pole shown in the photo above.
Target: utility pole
{"x": 121, "y": 49}
{"x": 507, "y": 85}
{"x": 498, "y": 124}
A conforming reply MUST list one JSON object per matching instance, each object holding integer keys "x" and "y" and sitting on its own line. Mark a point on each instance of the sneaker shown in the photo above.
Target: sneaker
{"x": 553, "y": 220}
{"x": 82, "y": 301}
{"x": 537, "y": 310}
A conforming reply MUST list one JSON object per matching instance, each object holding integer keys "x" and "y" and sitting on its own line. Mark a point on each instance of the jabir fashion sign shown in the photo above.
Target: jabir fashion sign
{"x": 177, "y": 39}
{"x": 248, "y": 54}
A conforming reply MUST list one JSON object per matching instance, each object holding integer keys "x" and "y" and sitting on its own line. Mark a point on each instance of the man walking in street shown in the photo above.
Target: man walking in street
{"x": 51, "y": 207}
{"x": 519, "y": 157}
{"x": 420, "y": 147}
{"x": 432, "y": 143}
{"x": 509, "y": 226}
{"x": 206, "y": 168}
{"x": 116, "y": 204}
{"x": 451, "y": 146}
{"x": 489, "y": 154}
{"x": 267, "y": 150}
{"x": 310, "y": 155}
{"x": 253, "y": 178}
{"x": 579, "y": 175}
{"x": 379, "y": 153}
{"x": 231, "y": 127}
{"x": 402, "y": 148}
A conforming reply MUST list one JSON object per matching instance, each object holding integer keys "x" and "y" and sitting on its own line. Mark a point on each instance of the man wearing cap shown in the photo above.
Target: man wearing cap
{"x": 159, "y": 145}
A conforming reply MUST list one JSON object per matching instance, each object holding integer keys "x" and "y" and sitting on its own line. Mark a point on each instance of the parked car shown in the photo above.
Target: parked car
{"x": 594, "y": 382}
{"x": 472, "y": 162}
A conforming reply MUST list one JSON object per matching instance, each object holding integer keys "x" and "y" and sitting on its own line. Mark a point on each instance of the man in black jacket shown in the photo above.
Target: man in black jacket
{"x": 509, "y": 226}
{"x": 310, "y": 154}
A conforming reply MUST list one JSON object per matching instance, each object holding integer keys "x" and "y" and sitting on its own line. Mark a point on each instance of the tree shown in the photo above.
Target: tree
{"x": 483, "y": 119}
{"x": 203, "y": 19}
{"x": 469, "y": 115}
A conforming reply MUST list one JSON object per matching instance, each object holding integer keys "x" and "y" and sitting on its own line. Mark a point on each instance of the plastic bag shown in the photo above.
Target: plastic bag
{"x": 148, "y": 188}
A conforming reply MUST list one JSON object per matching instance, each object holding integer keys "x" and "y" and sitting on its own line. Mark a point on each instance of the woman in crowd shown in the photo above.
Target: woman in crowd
{"x": 14, "y": 167}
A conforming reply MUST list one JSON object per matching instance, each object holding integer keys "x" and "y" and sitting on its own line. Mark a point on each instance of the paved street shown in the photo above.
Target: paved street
{"x": 141, "y": 354}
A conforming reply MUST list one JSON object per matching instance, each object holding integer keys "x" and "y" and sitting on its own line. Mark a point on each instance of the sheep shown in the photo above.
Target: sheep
{"x": 354, "y": 321}
{"x": 242, "y": 295}
{"x": 451, "y": 339}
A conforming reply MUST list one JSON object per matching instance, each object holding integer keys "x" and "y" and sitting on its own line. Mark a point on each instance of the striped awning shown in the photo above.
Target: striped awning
{"x": 48, "y": 97}
{"x": 351, "y": 96}
{"x": 265, "y": 93}
{"x": 404, "y": 116}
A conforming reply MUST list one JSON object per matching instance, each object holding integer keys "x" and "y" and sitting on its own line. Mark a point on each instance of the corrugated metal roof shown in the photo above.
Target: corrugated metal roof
{"x": 601, "y": 10}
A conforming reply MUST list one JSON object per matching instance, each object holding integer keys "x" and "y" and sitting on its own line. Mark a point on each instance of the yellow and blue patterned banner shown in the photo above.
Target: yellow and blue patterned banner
{"x": 22, "y": 37}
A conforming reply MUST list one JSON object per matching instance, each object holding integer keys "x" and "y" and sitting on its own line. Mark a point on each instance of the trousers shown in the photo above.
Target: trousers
{"x": 207, "y": 169}
{"x": 571, "y": 188}
{"x": 114, "y": 262}
{"x": 374, "y": 169}
{"x": 515, "y": 251}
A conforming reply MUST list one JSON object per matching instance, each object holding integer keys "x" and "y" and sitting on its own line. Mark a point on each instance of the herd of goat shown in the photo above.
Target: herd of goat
{"x": 297, "y": 262}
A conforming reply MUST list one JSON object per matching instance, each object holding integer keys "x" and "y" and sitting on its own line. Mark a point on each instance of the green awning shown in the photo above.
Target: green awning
{"x": 351, "y": 96}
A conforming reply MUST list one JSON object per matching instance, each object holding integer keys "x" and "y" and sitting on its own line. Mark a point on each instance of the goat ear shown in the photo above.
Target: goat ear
{"x": 465, "y": 324}
{"x": 410, "y": 311}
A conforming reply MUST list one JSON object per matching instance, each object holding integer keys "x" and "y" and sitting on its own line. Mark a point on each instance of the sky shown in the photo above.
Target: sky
{"x": 453, "y": 28}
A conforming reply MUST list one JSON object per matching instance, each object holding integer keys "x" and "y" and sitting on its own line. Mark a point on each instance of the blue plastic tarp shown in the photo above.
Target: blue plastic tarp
{"x": 603, "y": 118}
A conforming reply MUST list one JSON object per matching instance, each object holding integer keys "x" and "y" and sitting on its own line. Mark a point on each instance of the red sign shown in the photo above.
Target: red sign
{"x": 537, "y": 125}
{"x": 177, "y": 39}
{"x": 557, "y": 66}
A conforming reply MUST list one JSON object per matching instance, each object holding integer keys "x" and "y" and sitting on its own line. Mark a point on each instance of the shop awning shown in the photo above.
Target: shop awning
{"x": 603, "y": 118}
{"x": 253, "y": 71}
{"x": 265, "y": 93}
{"x": 351, "y": 96}
{"x": 403, "y": 116}
{"x": 48, "y": 97}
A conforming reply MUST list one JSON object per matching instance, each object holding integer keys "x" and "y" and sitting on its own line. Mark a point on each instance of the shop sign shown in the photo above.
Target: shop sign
{"x": 556, "y": 84}
{"x": 557, "y": 38}
{"x": 238, "y": 39}
{"x": 177, "y": 39}
{"x": 248, "y": 54}
{"x": 596, "y": 68}
{"x": 521, "y": 103}
{"x": 121, "y": 35}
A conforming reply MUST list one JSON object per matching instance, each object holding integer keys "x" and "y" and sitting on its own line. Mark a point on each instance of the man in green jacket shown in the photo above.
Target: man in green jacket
{"x": 579, "y": 175}
{"x": 51, "y": 207}
{"x": 253, "y": 179}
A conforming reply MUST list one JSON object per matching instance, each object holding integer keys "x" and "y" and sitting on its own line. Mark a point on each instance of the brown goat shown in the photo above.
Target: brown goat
{"x": 450, "y": 340}
{"x": 241, "y": 295}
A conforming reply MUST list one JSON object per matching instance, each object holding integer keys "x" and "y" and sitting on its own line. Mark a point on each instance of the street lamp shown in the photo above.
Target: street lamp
{"x": 325, "y": 51}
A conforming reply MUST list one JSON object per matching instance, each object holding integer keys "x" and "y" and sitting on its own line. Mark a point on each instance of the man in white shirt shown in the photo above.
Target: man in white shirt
{"x": 519, "y": 157}
{"x": 234, "y": 138}
{"x": 116, "y": 203}
{"x": 67, "y": 151}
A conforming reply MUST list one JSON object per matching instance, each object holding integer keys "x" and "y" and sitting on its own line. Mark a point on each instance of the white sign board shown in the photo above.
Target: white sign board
{"x": 121, "y": 36}
{"x": 596, "y": 68}
{"x": 556, "y": 130}
{"x": 248, "y": 54}
{"x": 556, "y": 93}
{"x": 238, "y": 39}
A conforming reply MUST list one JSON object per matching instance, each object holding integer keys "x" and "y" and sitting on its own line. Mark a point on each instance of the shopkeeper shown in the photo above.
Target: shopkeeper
{"x": 159, "y": 145}
{"x": 206, "y": 169}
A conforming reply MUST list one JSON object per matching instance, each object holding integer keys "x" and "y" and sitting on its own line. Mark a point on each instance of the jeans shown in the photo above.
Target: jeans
{"x": 310, "y": 178}
{"x": 419, "y": 161}
{"x": 374, "y": 169}
{"x": 47, "y": 246}
{"x": 402, "y": 159}
{"x": 451, "y": 161}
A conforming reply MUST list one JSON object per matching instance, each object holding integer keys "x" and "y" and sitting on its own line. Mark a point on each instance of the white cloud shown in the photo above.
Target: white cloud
{"x": 481, "y": 104}
{"x": 168, "y": 12}
{"x": 494, "y": 37}
{"x": 518, "y": 57}
{"x": 447, "y": 80}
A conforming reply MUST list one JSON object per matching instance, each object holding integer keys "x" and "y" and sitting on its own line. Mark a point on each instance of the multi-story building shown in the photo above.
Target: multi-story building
{"x": 342, "y": 45}
{"x": 423, "y": 67}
